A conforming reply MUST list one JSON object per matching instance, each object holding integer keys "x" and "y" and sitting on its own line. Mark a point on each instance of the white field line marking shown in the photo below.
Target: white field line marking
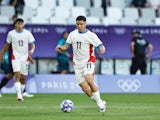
{"x": 79, "y": 107}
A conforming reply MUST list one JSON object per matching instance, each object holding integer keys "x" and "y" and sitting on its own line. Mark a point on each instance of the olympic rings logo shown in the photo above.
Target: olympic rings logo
{"x": 129, "y": 85}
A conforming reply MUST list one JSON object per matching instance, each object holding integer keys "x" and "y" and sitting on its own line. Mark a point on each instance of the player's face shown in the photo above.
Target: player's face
{"x": 81, "y": 25}
{"x": 19, "y": 26}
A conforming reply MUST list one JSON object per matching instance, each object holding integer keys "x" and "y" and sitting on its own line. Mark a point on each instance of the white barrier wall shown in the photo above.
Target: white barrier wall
{"x": 55, "y": 83}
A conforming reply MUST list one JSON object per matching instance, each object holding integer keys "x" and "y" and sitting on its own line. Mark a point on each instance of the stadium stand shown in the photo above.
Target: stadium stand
{"x": 51, "y": 4}
{"x": 62, "y": 12}
{"x": 97, "y": 12}
{"x": 66, "y": 3}
{"x": 58, "y": 20}
{"x": 118, "y": 3}
{"x": 93, "y": 21}
{"x": 83, "y": 3}
{"x": 75, "y": 11}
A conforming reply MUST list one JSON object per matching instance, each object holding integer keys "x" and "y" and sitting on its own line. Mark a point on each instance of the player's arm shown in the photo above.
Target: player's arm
{"x": 150, "y": 49}
{"x": 62, "y": 48}
{"x": 4, "y": 49}
{"x": 132, "y": 48}
{"x": 31, "y": 51}
{"x": 102, "y": 49}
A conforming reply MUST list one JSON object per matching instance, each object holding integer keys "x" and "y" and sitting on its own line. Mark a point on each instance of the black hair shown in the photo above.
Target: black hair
{"x": 81, "y": 18}
{"x": 18, "y": 20}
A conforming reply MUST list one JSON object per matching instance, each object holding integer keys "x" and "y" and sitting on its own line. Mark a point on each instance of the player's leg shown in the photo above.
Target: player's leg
{"x": 23, "y": 82}
{"x": 143, "y": 66}
{"x": 5, "y": 79}
{"x": 81, "y": 81}
{"x": 9, "y": 74}
{"x": 24, "y": 73}
{"x": 134, "y": 66}
{"x": 16, "y": 65}
{"x": 89, "y": 77}
{"x": 18, "y": 86}
{"x": 85, "y": 87}
{"x": 23, "y": 85}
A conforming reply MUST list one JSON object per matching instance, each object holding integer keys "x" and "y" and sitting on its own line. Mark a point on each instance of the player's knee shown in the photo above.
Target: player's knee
{"x": 23, "y": 79}
{"x": 84, "y": 88}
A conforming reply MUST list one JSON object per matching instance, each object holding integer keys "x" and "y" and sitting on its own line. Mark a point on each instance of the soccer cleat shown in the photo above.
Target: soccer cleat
{"x": 25, "y": 94}
{"x": 20, "y": 99}
{"x": 102, "y": 105}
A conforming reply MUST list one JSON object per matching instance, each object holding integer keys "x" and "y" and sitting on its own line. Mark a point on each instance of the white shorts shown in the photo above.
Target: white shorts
{"x": 82, "y": 70}
{"x": 20, "y": 66}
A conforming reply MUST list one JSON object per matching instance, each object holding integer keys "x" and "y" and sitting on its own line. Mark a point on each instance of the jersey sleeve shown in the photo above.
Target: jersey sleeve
{"x": 95, "y": 40}
{"x": 30, "y": 37}
{"x": 69, "y": 39}
{"x": 60, "y": 42}
{"x": 9, "y": 38}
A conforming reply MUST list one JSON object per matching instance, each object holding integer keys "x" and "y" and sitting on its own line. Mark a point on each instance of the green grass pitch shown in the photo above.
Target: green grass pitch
{"x": 47, "y": 107}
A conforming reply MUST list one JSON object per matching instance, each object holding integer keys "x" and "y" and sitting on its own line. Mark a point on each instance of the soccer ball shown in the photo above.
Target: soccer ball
{"x": 67, "y": 106}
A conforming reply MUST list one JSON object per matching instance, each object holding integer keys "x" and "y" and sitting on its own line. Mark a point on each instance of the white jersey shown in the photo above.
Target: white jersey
{"x": 20, "y": 42}
{"x": 83, "y": 45}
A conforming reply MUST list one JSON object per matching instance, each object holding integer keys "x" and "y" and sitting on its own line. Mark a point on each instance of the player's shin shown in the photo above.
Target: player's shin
{"x": 18, "y": 89}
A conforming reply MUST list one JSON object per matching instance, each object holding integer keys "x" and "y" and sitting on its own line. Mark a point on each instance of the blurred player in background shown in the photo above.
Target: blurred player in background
{"x": 83, "y": 42}
{"x": 19, "y": 39}
{"x": 63, "y": 56}
{"x": 139, "y": 54}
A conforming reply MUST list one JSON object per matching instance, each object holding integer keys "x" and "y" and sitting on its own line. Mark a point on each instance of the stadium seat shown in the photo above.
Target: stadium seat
{"x": 114, "y": 13}
{"x": 71, "y": 21}
{"x": 39, "y": 20}
{"x": 97, "y": 3}
{"x": 66, "y": 3}
{"x": 51, "y": 4}
{"x": 148, "y": 13}
{"x": 157, "y": 21}
{"x": 28, "y": 12}
{"x": 7, "y": 11}
{"x": 58, "y": 21}
{"x": 4, "y": 20}
{"x": 131, "y": 13}
{"x": 32, "y": 3}
{"x": 44, "y": 12}
{"x": 83, "y": 3}
{"x": 96, "y": 12}
{"x": 61, "y": 12}
{"x": 145, "y": 22}
{"x": 110, "y": 21}
{"x": 118, "y": 3}
{"x": 76, "y": 11}
{"x": 128, "y": 21}
{"x": 93, "y": 21}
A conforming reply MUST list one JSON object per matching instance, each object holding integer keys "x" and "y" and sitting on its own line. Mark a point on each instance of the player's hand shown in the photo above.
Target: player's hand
{"x": 30, "y": 59}
{"x": 58, "y": 49}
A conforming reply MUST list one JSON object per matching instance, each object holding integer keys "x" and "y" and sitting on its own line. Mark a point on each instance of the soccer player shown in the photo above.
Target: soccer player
{"x": 6, "y": 66}
{"x": 21, "y": 40}
{"x": 83, "y": 42}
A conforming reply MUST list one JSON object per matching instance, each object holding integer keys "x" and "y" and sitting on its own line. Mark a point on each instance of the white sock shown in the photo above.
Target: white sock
{"x": 22, "y": 87}
{"x": 96, "y": 96}
{"x": 18, "y": 89}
